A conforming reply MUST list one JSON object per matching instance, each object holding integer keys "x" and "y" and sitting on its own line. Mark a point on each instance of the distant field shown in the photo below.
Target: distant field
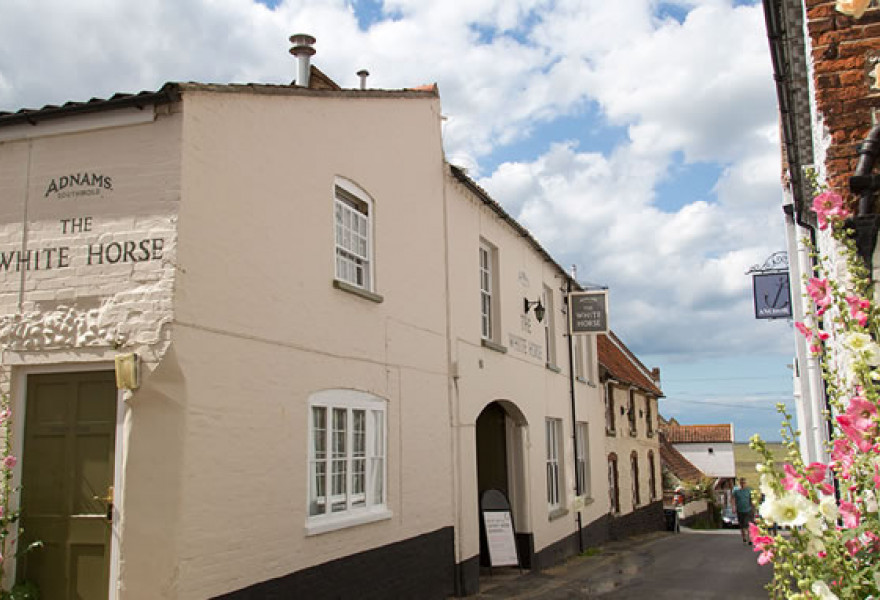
{"x": 746, "y": 459}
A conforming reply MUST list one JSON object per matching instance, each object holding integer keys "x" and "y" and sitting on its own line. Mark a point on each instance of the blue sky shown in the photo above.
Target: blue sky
{"x": 636, "y": 139}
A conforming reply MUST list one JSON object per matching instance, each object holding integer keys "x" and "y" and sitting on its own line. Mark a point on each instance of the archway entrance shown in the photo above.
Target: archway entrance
{"x": 501, "y": 431}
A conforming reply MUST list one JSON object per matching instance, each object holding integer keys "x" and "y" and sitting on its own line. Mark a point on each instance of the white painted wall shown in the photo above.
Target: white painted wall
{"x": 713, "y": 459}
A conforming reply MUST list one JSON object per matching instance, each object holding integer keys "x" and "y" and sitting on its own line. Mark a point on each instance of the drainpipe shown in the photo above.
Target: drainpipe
{"x": 866, "y": 223}
{"x": 577, "y": 475}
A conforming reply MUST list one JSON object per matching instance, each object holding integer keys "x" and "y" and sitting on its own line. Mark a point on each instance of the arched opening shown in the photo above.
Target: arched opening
{"x": 501, "y": 431}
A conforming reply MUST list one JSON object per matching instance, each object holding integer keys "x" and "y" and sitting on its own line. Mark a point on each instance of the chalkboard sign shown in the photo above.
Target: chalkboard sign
{"x": 588, "y": 312}
{"x": 498, "y": 522}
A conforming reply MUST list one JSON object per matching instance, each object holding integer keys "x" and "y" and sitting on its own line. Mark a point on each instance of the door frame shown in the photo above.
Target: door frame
{"x": 19, "y": 402}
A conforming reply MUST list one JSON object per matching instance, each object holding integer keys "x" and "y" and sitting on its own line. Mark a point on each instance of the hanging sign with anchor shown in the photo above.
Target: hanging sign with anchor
{"x": 771, "y": 287}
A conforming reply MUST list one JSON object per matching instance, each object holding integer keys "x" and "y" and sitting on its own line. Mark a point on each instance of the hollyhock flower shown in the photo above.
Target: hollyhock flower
{"x": 842, "y": 454}
{"x": 819, "y": 291}
{"x": 851, "y": 8}
{"x": 870, "y": 499}
{"x": 861, "y": 413}
{"x": 9, "y": 461}
{"x": 805, "y": 331}
{"x": 857, "y": 308}
{"x": 855, "y": 434}
{"x": 791, "y": 481}
{"x": 828, "y": 508}
{"x": 853, "y": 546}
{"x": 851, "y": 514}
{"x": 789, "y": 510}
{"x": 861, "y": 345}
{"x": 816, "y": 472}
{"x": 822, "y": 591}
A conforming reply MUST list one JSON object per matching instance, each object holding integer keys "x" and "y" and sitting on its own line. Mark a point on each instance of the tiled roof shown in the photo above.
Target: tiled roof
{"x": 623, "y": 365}
{"x": 675, "y": 462}
{"x": 170, "y": 92}
{"x": 683, "y": 434}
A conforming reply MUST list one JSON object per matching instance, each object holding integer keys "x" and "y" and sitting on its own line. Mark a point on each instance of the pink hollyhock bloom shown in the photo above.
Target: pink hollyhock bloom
{"x": 851, "y": 514}
{"x": 877, "y": 477}
{"x": 816, "y": 348}
{"x": 857, "y": 308}
{"x": 791, "y": 481}
{"x": 819, "y": 291}
{"x": 9, "y": 461}
{"x": 853, "y": 546}
{"x": 827, "y": 489}
{"x": 805, "y": 331}
{"x": 765, "y": 557}
{"x": 755, "y": 533}
{"x": 816, "y": 472}
{"x": 821, "y": 554}
{"x": 829, "y": 206}
{"x": 861, "y": 413}
{"x": 854, "y": 433}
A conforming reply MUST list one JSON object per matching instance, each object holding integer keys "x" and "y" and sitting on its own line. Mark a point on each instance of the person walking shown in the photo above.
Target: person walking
{"x": 742, "y": 497}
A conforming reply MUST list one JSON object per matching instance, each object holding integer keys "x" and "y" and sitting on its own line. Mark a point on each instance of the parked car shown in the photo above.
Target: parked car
{"x": 728, "y": 518}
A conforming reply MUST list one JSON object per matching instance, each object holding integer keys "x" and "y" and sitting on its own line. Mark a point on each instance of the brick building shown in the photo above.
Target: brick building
{"x": 826, "y": 62}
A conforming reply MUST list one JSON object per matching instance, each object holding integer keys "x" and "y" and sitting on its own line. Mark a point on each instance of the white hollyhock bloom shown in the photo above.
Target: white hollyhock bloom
{"x": 828, "y": 508}
{"x": 820, "y": 588}
{"x": 790, "y": 510}
{"x": 766, "y": 487}
{"x": 862, "y": 345}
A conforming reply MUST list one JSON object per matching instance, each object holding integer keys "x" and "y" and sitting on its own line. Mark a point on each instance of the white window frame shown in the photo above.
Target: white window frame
{"x": 488, "y": 292}
{"x": 582, "y": 458}
{"x": 369, "y": 503}
{"x": 353, "y": 217}
{"x": 553, "y": 433}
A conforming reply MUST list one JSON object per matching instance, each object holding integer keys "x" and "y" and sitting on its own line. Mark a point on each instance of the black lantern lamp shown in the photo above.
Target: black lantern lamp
{"x": 539, "y": 308}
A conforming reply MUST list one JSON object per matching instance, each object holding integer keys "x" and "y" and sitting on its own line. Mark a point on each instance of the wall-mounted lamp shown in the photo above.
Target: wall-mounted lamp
{"x": 127, "y": 371}
{"x": 539, "y": 308}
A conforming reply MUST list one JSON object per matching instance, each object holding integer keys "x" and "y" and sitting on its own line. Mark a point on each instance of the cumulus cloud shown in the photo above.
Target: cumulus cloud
{"x": 697, "y": 86}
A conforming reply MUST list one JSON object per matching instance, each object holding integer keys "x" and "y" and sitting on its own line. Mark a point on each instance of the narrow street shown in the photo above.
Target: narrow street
{"x": 697, "y": 565}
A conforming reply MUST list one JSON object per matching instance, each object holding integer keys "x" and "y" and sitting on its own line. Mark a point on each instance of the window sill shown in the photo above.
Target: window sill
{"x": 581, "y": 379}
{"x": 611, "y": 432}
{"x": 318, "y": 525}
{"x": 650, "y": 434}
{"x": 353, "y": 289}
{"x": 554, "y": 368}
{"x": 493, "y": 346}
{"x": 557, "y": 513}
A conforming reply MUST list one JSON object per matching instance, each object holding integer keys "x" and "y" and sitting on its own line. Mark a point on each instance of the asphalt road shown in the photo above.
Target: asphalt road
{"x": 692, "y": 565}
{"x": 696, "y": 566}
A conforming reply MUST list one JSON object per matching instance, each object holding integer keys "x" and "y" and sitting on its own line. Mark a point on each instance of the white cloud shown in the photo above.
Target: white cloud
{"x": 700, "y": 88}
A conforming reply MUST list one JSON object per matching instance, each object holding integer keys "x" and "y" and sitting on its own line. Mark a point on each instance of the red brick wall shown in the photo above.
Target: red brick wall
{"x": 846, "y": 53}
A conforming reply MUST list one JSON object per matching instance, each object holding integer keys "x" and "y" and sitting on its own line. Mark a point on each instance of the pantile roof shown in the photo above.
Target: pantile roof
{"x": 622, "y": 365}
{"x": 675, "y": 462}
{"x": 683, "y": 434}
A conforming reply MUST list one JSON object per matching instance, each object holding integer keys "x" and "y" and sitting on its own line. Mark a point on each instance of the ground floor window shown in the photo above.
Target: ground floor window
{"x": 613, "y": 479}
{"x": 583, "y": 459}
{"x": 346, "y": 454}
{"x": 554, "y": 452}
{"x": 634, "y": 467}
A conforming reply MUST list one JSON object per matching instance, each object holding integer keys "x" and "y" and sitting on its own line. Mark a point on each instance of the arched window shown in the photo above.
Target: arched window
{"x": 346, "y": 459}
{"x": 613, "y": 487}
{"x": 634, "y": 467}
{"x": 353, "y": 210}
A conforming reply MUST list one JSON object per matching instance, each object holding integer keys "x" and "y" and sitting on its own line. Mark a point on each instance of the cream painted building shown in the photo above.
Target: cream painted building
{"x": 632, "y": 448}
{"x": 313, "y": 415}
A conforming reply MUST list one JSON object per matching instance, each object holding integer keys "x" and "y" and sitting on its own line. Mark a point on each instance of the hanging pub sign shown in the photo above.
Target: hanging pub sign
{"x": 772, "y": 295}
{"x": 588, "y": 312}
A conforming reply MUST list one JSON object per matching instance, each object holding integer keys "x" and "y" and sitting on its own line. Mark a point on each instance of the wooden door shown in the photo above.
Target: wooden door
{"x": 67, "y": 474}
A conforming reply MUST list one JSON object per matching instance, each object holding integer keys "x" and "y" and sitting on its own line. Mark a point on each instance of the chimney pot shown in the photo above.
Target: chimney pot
{"x": 303, "y": 51}
{"x": 363, "y": 74}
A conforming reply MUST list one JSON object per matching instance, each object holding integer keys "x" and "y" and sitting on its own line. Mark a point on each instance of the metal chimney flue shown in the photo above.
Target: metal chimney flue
{"x": 302, "y": 49}
{"x": 363, "y": 74}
